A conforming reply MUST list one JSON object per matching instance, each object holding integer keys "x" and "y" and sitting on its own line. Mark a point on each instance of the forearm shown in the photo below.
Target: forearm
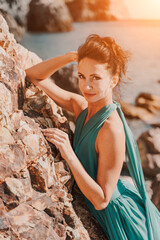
{"x": 46, "y": 68}
{"x": 88, "y": 186}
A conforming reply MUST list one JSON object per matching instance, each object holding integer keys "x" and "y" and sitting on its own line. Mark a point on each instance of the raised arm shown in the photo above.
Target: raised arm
{"x": 39, "y": 73}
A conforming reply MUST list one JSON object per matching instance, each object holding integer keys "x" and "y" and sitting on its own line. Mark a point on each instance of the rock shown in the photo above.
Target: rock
{"x": 5, "y": 98}
{"x": 35, "y": 182}
{"x": 131, "y": 111}
{"x": 30, "y": 223}
{"x": 5, "y": 136}
{"x": 156, "y": 191}
{"x": 155, "y": 125}
{"x": 85, "y": 10}
{"x": 12, "y": 159}
{"x": 49, "y": 16}
{"x": 149, "y": 187}
{"x": 42, "y": 173}
{"x": 148, "y": 145}
{"x": 61, "y": 172}
{"x": 16, "y": 189}
{"x": 14, "y": 27}
{"x": 152, "y": 140}
{"x": 17, "y": 9}
{"x": 67, "y": 78}
{"x": 148, "y": 101}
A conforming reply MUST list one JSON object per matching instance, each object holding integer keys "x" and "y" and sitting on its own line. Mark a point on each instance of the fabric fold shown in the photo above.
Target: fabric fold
{"x": 134, "y": 165}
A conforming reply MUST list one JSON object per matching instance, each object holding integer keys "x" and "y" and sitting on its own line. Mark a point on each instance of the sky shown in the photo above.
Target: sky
{"x": 143, "y": 9}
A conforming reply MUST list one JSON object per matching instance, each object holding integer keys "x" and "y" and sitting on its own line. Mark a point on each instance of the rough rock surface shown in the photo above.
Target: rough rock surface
{"x": 156, "y": 191}
{"x": 16, "y": 8}
{"x": 141, "y": 110}
{"x": 148, "y": 101}
{"x": 86, "y": 10}
{"x": 67, "y": 78}
{"x": 49, "y": 16}
{"x": 149, "y": 148}
{"x": 14, "y": 27}
{"x": 35, "y": 182}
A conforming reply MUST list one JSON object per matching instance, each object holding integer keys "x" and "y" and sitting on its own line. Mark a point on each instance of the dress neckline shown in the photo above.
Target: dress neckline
{"x": 94, "y": 115}
{"x": 93, "y": 122}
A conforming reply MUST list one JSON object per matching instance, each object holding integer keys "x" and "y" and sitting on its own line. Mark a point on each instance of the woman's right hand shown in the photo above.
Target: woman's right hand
{"x": 73, "y": 55}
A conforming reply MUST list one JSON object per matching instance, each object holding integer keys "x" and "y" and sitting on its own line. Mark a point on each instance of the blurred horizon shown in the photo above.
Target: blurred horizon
{"x": 135, "y": 9}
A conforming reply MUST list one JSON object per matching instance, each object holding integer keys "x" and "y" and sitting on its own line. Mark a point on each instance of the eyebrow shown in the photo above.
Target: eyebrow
{"x": 90, "y": 74}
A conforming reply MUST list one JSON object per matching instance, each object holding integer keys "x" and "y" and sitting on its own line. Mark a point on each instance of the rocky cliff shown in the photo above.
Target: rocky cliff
{"x": 49, "y": 16}
{"x": 35, "y": 182}
{"x": 53, "y": 16}
{"x": 86, "y": 10}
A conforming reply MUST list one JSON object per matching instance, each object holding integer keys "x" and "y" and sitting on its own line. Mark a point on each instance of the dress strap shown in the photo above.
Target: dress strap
{"x": 134, "y": 165}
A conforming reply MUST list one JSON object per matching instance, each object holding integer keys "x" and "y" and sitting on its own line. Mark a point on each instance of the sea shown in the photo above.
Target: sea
{"x": 140, "y": 37}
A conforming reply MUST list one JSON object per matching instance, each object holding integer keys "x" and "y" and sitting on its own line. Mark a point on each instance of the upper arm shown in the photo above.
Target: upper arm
{"x": 72, "y": 102}
{"x": 111, "y": 154}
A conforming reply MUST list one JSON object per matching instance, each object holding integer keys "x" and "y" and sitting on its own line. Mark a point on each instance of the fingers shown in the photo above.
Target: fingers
{"x": 54, "y": 137}
{"x": 55, "y": 133}
{"x": 55, "y": 142}
{"x": 74, "y": 55}
{"x": 52, "y": 130}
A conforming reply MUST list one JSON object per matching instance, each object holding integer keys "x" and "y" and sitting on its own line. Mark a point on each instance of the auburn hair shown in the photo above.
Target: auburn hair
{"x": 105, "y": 50}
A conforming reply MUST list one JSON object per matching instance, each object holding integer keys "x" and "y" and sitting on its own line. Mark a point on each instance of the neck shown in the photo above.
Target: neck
{"x": 96, "y": 106}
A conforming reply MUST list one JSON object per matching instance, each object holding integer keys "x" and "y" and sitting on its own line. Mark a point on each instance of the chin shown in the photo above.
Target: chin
{"x": 92, "y": 100}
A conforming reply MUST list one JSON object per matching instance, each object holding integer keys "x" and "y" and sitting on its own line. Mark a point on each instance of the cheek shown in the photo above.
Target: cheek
{"x": 103, "y": 88}
{"x": 80, "y": 85}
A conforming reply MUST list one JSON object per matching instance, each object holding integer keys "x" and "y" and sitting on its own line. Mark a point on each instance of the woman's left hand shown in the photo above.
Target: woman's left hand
{"x": 61, "y": 141}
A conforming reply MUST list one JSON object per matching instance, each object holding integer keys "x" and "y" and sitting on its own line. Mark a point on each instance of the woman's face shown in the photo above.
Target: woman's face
{"x": 95, "y": 80}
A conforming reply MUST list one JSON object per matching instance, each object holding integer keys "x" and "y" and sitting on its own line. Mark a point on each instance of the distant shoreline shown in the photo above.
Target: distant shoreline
{"x": 138, "y": 20}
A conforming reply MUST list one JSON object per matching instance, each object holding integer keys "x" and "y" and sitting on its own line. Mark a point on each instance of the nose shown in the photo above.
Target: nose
{"x": 88, "y": 85}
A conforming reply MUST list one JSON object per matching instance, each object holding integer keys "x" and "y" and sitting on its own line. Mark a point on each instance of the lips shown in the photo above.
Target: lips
{"x": 89, "y": 94}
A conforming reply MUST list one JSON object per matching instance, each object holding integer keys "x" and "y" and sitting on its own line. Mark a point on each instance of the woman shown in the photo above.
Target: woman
{"x": 102, "y": 140}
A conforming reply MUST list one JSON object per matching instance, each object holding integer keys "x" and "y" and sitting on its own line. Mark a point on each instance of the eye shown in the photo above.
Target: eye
{"x": 96, "y": 78}
{"x": 80, "y": 76}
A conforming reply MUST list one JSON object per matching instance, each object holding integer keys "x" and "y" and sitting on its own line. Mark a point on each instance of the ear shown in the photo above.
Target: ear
{"x": 114, "y": 81}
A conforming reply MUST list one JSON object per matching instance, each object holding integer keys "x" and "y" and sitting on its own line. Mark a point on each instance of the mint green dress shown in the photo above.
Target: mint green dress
{"x": 130, "y": 213}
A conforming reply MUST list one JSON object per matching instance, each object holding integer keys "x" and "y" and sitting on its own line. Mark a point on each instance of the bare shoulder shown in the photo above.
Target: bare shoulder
{"x": 111, "y": 134}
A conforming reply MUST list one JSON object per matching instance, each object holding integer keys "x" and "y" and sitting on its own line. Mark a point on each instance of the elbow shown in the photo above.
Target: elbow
{"x": 31, "y": 77}
{"x": 101, "y": 206}
{"x": 28, "y": 76}
{"x": 28, "y": 79}
{"x": 32, "y": 80}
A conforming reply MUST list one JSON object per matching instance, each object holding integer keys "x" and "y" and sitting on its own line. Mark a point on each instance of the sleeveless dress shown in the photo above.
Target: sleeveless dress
{"x": 130, "y": 213}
